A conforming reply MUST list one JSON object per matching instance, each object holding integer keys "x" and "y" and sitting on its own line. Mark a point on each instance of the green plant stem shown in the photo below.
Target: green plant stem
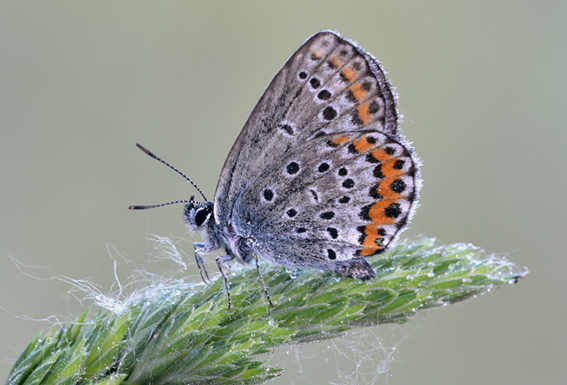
{"x": 184, "y": 334}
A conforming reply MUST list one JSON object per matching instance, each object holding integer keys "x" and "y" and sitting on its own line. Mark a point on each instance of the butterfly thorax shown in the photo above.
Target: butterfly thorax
{"x": 199, "y": 218}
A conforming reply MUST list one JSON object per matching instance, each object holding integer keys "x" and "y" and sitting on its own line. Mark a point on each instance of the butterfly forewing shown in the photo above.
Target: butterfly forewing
{"x": 328, "y": 85}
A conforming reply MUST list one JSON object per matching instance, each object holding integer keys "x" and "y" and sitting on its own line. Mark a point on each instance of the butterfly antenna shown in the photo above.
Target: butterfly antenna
{"x": 174, "y": 169}
{"x": 145, "y": 207}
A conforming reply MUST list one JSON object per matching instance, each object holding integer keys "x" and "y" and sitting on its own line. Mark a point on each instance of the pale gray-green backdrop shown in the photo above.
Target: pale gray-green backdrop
{"x": 482, "y": 85}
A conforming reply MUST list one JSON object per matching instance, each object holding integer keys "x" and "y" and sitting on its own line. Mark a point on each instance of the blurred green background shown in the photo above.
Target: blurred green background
{"x": 482, "y": 85}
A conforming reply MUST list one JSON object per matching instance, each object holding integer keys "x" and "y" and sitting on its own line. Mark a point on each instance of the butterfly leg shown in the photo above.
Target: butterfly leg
{"x": 201, "y": 248}
{"x": 357, "y": 268}
{"x": 220, "y": 260}
{"x": 262, "y": 280}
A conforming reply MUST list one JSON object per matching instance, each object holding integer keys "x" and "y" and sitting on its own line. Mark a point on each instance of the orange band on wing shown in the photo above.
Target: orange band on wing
{"x": 340, "y": 139}
{"x": 357, "y": 91}
{"x": 363, "y": 113}
{"x": 377, "y": 215}
{"x": 372, "y": 241}
{"x": 349, "y": 74}
{"x": 362, "y": 145}
{"x": 335, "y": 61}
{"x": 317, "y": 54}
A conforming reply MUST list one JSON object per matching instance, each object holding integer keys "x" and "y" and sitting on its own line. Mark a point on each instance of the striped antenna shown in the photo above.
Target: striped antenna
{"x": 174, "y": 169}
{"x": 145, "y": 207}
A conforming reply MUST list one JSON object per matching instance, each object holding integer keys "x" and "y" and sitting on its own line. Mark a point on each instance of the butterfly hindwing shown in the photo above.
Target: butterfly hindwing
{"x": 335, "y": 197}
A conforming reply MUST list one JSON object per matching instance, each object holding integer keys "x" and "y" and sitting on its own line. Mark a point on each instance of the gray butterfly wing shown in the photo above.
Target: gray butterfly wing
{"x": 328, "y": 85}
{"x": 333, "y": 198}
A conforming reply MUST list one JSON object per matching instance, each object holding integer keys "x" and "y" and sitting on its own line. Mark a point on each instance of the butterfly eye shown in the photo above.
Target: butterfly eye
{"x": 201, "y": 215}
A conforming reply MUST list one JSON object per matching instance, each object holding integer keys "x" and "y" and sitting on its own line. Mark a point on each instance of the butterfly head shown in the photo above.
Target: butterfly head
{"x": 197, "y": 215}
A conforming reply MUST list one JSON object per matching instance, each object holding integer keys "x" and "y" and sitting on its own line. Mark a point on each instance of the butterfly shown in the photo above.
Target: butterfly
{"x": 319, "y": 176}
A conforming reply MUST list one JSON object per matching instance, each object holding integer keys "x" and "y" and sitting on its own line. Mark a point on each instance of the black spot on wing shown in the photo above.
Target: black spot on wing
{"x": 324, "y": 95}
{"x": 327, "y": 215}
{"x": 315, "y": 83}
{"x": 292, "y": 168}
{"x": 393, "y": 211}
{"x": 268, "y": 194}
{"x": 373, "y": 192}
{"x": 378, "y": 172}
{"x": 333, "y": 232}
{"x": 399, "y": 164}
{"x": 349, "y": 183}
{"x": 331, "y": 254}
{"x": 398, "y": 186}
{"x": 329, "y": 113}
{"x": 323, "y": 167}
